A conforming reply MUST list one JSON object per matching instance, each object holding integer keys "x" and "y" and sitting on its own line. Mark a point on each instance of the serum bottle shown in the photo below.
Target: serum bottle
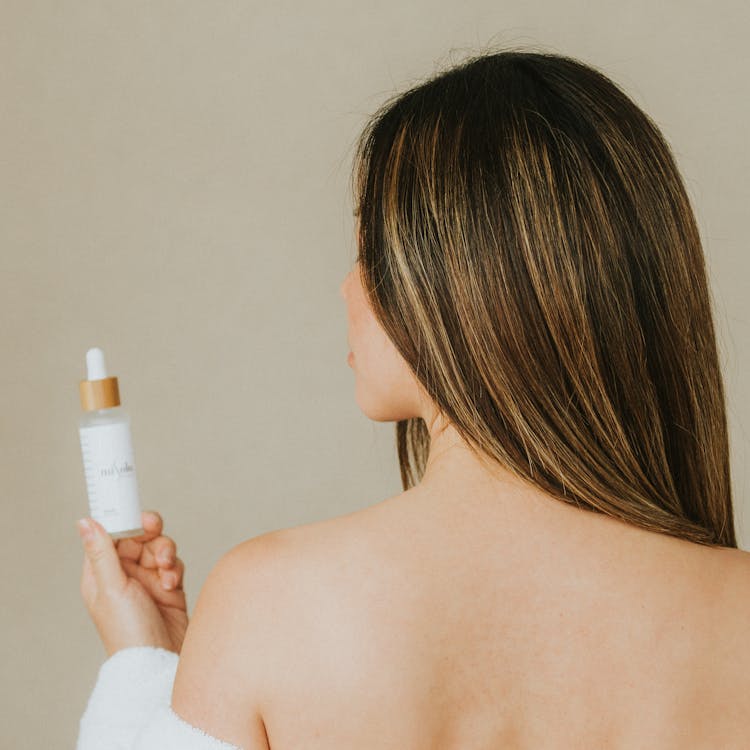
{"x": 107, "y": 449}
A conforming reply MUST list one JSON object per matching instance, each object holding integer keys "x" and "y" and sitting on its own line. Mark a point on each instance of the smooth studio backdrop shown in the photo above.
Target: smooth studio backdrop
{"x": 175, "y": 190}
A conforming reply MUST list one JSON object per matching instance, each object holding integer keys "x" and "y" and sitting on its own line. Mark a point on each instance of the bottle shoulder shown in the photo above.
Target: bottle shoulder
{"x": 96, "y": 417}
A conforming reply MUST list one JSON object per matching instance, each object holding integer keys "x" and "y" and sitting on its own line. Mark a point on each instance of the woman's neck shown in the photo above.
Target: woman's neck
{"x": 455, "y": 473}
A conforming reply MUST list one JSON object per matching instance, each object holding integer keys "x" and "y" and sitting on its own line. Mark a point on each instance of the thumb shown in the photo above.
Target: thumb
{"x": 101, "y": 553}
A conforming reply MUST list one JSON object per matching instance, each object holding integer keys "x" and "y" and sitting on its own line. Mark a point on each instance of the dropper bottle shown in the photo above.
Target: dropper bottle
{"x": 107, "y": 449}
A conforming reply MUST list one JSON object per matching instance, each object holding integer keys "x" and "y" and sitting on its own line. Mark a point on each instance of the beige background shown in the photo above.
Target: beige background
{"x": 175, "y": 190}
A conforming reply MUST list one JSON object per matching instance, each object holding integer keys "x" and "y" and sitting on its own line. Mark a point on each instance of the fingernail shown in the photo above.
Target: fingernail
{"x": 84, "y": 529}
{"x": 168, "y": 582}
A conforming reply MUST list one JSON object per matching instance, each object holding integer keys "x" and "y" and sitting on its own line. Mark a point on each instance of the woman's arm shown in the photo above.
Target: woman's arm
{"x": 224, "y": 669}
{"x": 147, "y": 694}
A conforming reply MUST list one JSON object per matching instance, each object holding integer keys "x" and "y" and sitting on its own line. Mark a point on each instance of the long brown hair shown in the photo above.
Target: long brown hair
{"x": 527, "y": 243}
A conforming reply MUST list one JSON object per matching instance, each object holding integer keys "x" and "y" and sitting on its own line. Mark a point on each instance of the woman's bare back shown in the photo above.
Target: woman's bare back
{"x": 424, "y": 623}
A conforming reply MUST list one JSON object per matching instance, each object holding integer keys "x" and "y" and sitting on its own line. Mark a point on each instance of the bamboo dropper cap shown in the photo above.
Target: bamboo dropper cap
{"x": 99, "y": 391}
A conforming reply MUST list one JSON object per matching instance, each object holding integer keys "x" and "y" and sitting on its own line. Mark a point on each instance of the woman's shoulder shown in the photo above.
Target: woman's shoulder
{"x": 363, "y": 561}
{"x": 291, "y": 561}
{"x": 313, "y": 592}
{"x": 322, "y": 541}
{"x": 342, "y": 566}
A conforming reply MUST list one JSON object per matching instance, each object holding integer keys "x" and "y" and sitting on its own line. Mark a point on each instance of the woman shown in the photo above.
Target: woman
{"x": 530, "y": 306}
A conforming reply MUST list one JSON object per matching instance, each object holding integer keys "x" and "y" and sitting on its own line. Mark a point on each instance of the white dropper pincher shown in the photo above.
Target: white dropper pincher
{"x": 96, "y": 369}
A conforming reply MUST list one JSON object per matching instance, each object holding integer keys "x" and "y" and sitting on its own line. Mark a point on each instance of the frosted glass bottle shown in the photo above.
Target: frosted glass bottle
{"x": 107, "y": 451}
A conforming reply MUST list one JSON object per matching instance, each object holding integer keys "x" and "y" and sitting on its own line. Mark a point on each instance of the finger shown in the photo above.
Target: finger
{"x": 159, "y": 553}
{"x": 129, "y": 549}
{"x": 88, "y": 583}
{"x": 152, "y": 526}
{"x": 173, "y": 577}
{"x": 101, "y": 554}
{"x": 156, "y": 553}
{"x": 152, "y": 583}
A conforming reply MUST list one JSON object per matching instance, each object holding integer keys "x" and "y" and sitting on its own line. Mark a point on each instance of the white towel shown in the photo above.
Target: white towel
{"x": 130, "y": 706}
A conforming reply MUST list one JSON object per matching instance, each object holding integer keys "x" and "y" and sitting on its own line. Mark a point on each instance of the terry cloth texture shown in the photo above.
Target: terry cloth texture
{"x": 129, "y": 707}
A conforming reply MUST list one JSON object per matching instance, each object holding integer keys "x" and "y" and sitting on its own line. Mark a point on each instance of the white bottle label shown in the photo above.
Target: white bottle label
{"x": 109, "y": 466}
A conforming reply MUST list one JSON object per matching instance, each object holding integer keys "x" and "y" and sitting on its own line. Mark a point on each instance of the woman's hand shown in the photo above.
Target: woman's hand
{"x": 123, "y": 585}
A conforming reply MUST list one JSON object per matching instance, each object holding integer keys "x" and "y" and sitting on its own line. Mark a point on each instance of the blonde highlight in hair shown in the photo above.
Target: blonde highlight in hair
{"x": 527, "y": 243}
